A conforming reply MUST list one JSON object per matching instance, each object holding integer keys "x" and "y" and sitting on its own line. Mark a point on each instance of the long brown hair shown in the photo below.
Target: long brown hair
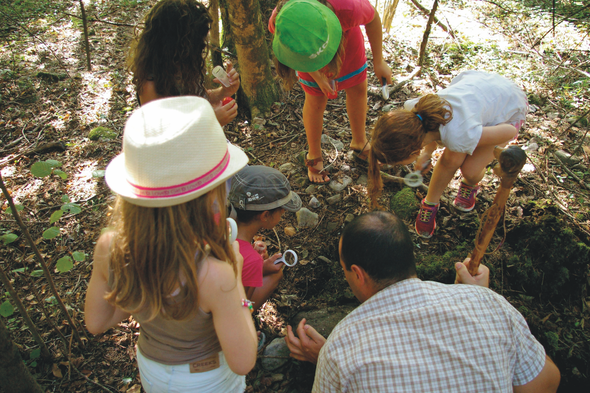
{"x": 288, "y": 75}
{"x": 400, "y": 133}
{"x": 156, "y": 252}
{"x": 171, "y": 49}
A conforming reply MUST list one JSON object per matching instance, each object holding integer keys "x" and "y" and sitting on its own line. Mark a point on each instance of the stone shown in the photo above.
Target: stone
{"x": 340, "y": 185}
{"x": 328, "y": 140}
{"x": 301, "y": 181}
{"x": 345, "y": 168}
{"x": 314, "y": 203}
{"x": 290, "y": 231}
{"x": 349, "y": 217}
{"x": 334, "y": 199}
{"x": 101, "y": 132}
{"x": 332, "y": 226}
{"x": 323, "y": 320}
{"x": 567, "y": 158}
{"x": 275, "y": 355}
{"x": 311, "y": 189}
{"x": 287, "y": 168}
{"x": 363, "y": 180}
{"x": 306, "y": 218}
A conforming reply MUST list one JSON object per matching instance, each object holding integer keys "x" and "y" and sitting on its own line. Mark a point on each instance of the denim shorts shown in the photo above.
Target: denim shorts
{"x": 162, "y": 378}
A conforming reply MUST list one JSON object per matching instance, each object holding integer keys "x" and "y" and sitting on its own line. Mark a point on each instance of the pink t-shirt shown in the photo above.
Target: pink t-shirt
{"x": 252, "y": 270}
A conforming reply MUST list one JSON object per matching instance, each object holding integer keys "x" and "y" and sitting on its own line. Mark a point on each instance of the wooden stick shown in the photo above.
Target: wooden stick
{"x": 510, "y": 162}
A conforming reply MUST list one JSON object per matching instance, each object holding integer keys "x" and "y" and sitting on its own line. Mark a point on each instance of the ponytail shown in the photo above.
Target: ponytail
{"x": 400, "y": 133}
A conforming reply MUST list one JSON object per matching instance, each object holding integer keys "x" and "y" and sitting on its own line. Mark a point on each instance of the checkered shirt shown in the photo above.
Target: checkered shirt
{"x": 424, "y": 336}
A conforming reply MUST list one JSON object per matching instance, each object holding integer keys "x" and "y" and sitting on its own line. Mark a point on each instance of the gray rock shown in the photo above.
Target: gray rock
{"x": 332, "y": 226}
{"x": 301, "y": 181}
{"x": 362, "y": 180}
{"x": 340, "y": 185}
{"x": 311, "y": 189}
{"x": 280, "y": 354}
{"x": 349, "y": 218}
{"x": 567, "y": 158}
{"x": 334, "y": 199}
{"x": 345, "y": 168}
{"x": 314, "y": 203}
{"x": 328, "y": 140}
{"x": 323, "y": 320}
{"x": 306, "y": 218}
{"x": 287, "y": 168}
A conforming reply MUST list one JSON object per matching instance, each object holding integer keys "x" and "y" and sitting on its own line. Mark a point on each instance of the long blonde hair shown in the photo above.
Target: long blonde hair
{"x": 400, "y": 133}
{"x": 156, "y": 252}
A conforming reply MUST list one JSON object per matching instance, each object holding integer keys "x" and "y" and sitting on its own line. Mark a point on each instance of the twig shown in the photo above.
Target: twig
{"x": 425, "y": 11}
{"x": 277, "y": 235}
{"x": 569, "y": 172}
{"x": 571, "y": 125}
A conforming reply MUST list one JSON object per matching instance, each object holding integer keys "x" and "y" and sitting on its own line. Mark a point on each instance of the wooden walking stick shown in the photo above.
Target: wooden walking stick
{"x": 510, "y": 162}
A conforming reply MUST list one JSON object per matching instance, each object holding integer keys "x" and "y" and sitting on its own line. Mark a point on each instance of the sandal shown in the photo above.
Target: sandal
{"x": 310, "y": 164}
{"x": 360, "y": 156}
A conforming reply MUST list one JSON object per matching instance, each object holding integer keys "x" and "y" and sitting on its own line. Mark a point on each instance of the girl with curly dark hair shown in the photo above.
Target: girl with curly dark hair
{"x": 168, "y": 57}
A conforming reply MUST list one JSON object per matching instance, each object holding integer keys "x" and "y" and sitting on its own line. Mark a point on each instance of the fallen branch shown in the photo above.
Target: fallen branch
{"x": 426, "y": 12}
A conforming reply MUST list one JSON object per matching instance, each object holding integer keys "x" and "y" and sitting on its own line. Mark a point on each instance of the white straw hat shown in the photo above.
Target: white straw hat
{"x": 174, "y": 150}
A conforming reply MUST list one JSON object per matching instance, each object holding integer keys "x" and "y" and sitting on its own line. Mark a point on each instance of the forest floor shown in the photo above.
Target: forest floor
{"x": 542, "y": 266}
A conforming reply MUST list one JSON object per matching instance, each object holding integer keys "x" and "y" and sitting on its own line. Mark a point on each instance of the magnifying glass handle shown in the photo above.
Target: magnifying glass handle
{"x": 282, "y": 259}
{"x": 233, "y": 229}
{"x": 384, "y": 90}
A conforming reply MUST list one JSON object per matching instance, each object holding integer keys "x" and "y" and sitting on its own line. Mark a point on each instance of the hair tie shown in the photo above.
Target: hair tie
{"x": 419, "y": 117}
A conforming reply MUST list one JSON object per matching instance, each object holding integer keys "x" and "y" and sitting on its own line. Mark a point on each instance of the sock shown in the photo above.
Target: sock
{"x": 429, "y": 203}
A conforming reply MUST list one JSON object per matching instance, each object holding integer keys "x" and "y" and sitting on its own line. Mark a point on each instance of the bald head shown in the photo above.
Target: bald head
{"x": 380, "y": 243}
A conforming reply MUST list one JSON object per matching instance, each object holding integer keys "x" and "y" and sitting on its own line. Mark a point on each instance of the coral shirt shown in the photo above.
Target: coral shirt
{"x": 252, "y": 270}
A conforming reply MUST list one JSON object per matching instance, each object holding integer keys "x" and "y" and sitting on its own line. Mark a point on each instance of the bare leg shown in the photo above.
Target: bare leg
{"x": 313, "y": 121}
{"x": 444, "y": 170}
{"x": 356, "y": 107}
{"x": 473, "y": 168}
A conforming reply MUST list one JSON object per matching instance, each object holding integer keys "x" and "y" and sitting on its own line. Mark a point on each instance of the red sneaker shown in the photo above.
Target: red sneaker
{"x": 466, "y": 197}
{"x": 426, "y": 220}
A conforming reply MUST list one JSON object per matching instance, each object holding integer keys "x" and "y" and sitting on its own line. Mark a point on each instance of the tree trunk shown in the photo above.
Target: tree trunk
{"x": 214, "y": 41}
{"x": 260, "y": 88}
{"x": 14, "y": 375}
{"x": 427, "y": 33}
{"x": 389, "y": 8}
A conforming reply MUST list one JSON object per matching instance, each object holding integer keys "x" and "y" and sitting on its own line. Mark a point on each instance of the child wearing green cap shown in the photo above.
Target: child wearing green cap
{"x": 320, "y": 43}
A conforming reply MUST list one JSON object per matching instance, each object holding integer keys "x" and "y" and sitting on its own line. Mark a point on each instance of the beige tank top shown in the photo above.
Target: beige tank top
{"x": 173, "y": 342}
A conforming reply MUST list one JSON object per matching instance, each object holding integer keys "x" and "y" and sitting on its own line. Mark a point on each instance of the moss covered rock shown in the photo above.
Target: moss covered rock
{"x": 101, "y": 133}
{"x": 404, "y": 204}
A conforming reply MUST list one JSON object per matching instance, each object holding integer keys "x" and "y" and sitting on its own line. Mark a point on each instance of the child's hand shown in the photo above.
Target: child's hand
{"x": 323, "y": 83}
{"x": 422, "y": 163}
{"x": 234, "y": 79}
{"x": 225, "y": 113}
{"x": 382, "y": 70}
{"x": 269, "y": 266}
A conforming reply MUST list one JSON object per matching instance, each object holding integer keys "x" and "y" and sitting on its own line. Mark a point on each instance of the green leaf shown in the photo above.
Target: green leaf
{"x": 79, "y": 256}
{"x": 35, "y": 354}
{"x": 8, "y": 238}
{"x": 98, "y": 173}
{"x": 37, "y": 273}
{"x": 34, "y": 364}
{"x": 19, "y": 270}
{"x": 61, "y": 174}
{"x": 41, "y": 169}
{"x": 73, "y": 208}
{"x": 65, "y": 199}
{"x": 53, "y": 163}
{"x": 51, "y": 233}
{"x": 6, "y": 309}
{"x": 56, "y": 216}
{"x": 64, "y": 264}
{"x": 18, "y": 209}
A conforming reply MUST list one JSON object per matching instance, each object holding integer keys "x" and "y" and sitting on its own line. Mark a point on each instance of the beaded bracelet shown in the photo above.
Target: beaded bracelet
{"x": 249, "y": 304}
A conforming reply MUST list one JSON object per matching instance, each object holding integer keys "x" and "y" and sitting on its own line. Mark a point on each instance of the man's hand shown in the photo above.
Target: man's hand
{"x": 307, "y": 346}
{"x": 482, "y": 278}
{"x": 269, "y": 267}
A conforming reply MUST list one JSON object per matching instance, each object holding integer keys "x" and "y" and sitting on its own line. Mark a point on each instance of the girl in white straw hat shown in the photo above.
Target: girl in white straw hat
{"x": 167, "y": 259}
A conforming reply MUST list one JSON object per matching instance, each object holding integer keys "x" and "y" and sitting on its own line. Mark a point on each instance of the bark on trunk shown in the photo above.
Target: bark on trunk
{"x": 14, "y": 375}
{"x": 260, "y": 88}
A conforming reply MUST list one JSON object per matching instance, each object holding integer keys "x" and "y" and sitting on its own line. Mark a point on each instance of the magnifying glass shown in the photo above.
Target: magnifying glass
{"x": 414, "y": 179}
{"x": 233, "y": 230}
{"x": 289, "y": 258}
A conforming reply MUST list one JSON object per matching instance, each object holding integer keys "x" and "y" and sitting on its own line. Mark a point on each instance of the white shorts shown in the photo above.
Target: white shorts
{"x": 162, "y": 378}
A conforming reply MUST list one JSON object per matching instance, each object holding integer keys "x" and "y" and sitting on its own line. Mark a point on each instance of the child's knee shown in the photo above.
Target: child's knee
{"x": 451, "y": 160}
